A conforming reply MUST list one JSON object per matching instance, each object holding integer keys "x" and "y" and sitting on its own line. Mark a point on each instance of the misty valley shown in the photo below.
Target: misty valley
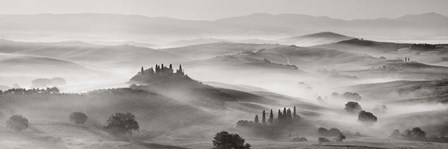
{"x": 250, "y": 82}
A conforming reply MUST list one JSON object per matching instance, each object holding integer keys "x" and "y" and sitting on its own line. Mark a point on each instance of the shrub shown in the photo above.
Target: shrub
{"x": 225, "y": 140}
{"x": 78, "y": 118}
{"x": 121, "y": 123}
{"x": 17, "y": 122}
{"x": 322, "y": 139}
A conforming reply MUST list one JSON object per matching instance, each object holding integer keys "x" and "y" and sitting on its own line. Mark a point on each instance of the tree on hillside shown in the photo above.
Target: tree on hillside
{"x": 225, "y": 140}
{"x": 78, "y": 118}
{"x": 352, "y": 107}
{"x": 367, "y": 117}
{"x": 17, "y": 123}
{"x": 416, "y": 133}
{"x": 121, "y": 123}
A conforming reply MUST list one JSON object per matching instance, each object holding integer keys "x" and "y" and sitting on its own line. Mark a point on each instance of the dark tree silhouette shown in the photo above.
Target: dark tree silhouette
{"x": 263, "y": 120}
{"x": 416, "y": 133}
{"x": 352, "y": 107}
{"x": 78, "y": 118}
{"x": 295, "y": 112}
{"x": 17, "y": 123}
{"x": 271, "y": 117}
{"x": 225, "y": 140}
{"x": 121, "y": 123}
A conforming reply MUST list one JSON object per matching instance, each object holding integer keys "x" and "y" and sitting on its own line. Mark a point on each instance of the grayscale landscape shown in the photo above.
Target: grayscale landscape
{"x": 250, "y": 74}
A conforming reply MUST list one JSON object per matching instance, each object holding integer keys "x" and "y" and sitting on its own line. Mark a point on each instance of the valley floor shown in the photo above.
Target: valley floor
{"x": 61, "y": 135}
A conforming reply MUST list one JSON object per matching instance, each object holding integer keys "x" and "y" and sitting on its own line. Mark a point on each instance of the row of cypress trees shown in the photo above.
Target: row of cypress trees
{"x": 284, "y": 116}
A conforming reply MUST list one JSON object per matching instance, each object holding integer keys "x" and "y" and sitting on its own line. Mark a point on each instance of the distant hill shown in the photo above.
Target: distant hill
{"x": 427, "y": 53}
{"x": 117, "y": 56}
{"x": 35, "y": 65}
{"x": 405, "y": 91}
{"x": 314, "y": 39}
{"x": 210, "y": 50}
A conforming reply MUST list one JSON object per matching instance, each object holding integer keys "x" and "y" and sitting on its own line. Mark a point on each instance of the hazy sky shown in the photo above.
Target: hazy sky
{"x": 215, "y": 9}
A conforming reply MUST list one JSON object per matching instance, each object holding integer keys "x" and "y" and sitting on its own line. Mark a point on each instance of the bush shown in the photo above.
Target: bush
{"x": 352, "y": 107}
{"x": 121, "y": 123}
{"x": 78, "y": 118}
{"x": 225, "y": 140}
{"x": 17, "y": 123}
{"x": 367, "y": 117}
{"x": 299, "y": 139}
{"x": 322, "y": 139}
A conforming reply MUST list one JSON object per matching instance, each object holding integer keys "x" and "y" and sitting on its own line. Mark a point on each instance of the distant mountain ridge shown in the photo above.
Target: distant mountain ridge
{"x": 141, "y": 28}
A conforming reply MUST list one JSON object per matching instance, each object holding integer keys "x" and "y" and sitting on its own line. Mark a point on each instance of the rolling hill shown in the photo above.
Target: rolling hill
{"x": 100, "y": 56}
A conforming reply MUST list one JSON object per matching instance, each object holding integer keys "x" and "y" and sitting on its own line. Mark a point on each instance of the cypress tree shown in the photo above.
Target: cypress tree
{"x": 288, "y": 115}
{"x": 284, "y": 111}
{"x": 295, "y": 112}
{"x": 279, "y": 117}
{"x": 263, "y": 119}
{"x": 142, "y": 70}
{"x": 271, "y": 117}
{"x": 256, "y": 119}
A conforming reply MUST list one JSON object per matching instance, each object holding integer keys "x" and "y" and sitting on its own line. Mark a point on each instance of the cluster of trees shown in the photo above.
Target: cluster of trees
{"x": 160, "y": 71}
{"x": 225, "y": 140}
{"x": 118, "y": 125}
{"x": 347, "y": 95}
{"x": 333, "y": 132}
{"x": 23, "y": 91}
{"x": 423, "y": 45}
{"x": 363, "y": 116}
{"x": 415, "y": 133}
